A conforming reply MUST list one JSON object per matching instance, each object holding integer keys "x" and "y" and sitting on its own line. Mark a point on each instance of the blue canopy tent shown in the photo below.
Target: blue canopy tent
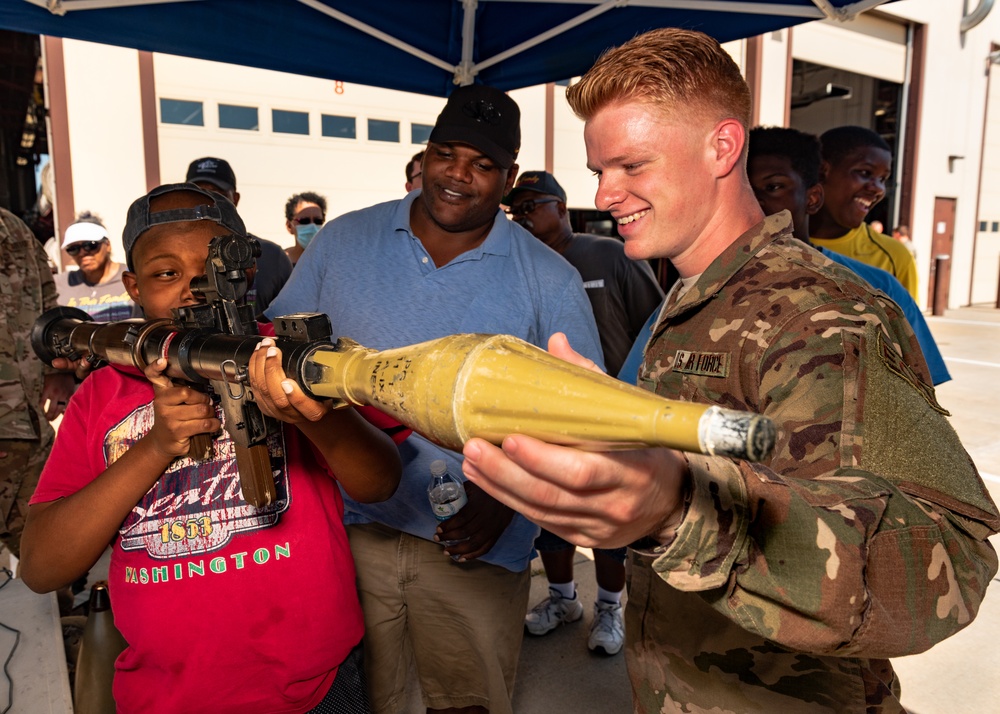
{"x": 425, "y": 46}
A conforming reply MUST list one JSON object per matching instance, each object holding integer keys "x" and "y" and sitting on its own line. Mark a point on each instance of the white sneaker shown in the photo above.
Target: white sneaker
{"x": 552, "y": 612}
{"x": 607, "y": 632}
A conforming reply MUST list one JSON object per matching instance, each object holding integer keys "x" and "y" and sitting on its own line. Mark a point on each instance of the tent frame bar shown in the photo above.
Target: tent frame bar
{"x": 61, "y": 7}
{"x": 465, "y": 72}
{"x": 378, "y": 34}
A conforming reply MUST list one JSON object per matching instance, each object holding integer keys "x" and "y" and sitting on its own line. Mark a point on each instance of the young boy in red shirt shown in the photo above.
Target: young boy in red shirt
{"x": 225, "y": 607}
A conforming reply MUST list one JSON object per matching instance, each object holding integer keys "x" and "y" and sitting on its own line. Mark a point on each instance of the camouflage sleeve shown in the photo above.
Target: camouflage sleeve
{"x": 48, "y": 293}
{"x": 866, "y": 533}
{"x": 50, "y": 297}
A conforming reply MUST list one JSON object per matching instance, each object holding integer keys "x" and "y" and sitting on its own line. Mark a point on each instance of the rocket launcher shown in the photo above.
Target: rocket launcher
{"x": 449, "y": 389}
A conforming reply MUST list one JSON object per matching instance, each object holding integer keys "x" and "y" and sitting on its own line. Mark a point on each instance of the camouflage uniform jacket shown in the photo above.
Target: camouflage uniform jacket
{"x": 862, "y": 538}
{"x": 26, "y": 290}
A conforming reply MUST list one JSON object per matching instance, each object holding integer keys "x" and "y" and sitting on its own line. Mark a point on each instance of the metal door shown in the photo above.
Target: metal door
{"x": 942, "y": 244}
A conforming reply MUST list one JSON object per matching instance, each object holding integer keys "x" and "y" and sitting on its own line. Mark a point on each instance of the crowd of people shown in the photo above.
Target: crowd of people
{"x": 751, "y": 587}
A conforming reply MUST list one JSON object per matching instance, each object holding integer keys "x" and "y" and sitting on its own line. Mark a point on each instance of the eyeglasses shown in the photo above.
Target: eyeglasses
{"x": 527, "y": 207}
{"x": 307, "y": 219}
{"x": 87, "y": 246}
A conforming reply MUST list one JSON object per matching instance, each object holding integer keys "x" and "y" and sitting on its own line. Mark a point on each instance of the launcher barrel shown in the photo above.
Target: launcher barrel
{"x": 449, "y": 389}
{"x": 488, "y": 386}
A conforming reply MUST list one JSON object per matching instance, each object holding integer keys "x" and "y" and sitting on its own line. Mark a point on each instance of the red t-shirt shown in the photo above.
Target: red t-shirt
{"x": 226, "y": 608}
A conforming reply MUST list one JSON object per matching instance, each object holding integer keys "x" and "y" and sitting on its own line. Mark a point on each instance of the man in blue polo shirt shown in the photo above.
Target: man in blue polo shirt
{"x": 440, "y": 262}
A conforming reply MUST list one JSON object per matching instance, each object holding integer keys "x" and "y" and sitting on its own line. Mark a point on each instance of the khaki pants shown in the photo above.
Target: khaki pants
{"x": 460, "y": 623}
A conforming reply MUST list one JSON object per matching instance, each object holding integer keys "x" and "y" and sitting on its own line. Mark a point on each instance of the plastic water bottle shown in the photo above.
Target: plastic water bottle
{"x": 446, "y": 494}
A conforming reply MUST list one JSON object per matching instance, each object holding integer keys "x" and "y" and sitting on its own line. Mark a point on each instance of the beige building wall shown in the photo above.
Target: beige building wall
{"x": 952, "y": 119}
{"x": 986, "y": 265}
{"x": 107, "y": 149}
{"x": 774, "y": 70}
{"x": 531, "y": 101}
{"x": 570, "y": 158}
{"x": 351, "y": 172}
{"x": 105, "y": 132}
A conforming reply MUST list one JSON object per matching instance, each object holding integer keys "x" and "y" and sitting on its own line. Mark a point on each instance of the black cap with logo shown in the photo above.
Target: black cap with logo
{"x": 217, "y": 172}
{"x": 483, "y": 117}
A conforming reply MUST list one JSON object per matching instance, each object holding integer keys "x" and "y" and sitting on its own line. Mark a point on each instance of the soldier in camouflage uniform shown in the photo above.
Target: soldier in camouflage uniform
{"x": 776, "y": 587}
{"x": 26, "y": 290}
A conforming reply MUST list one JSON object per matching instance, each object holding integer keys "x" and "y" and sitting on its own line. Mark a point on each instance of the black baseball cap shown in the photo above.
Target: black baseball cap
{"x": 483, "y": 117}
{"x": 216, "y": 208}
{"x": 538, "y": 182}
{"x": 217, "y": 172}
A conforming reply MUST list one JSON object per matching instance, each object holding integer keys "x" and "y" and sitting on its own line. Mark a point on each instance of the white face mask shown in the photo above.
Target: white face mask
{"x": 304, "y": 233}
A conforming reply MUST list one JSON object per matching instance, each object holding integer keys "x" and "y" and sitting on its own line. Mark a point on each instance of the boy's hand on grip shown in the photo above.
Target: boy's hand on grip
{"x": 179, "y": 412}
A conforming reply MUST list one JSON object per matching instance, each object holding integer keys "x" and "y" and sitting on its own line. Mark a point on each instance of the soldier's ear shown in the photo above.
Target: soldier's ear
{"x": 727, "y": 142}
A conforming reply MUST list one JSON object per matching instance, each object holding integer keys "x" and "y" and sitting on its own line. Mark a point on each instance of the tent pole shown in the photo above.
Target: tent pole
{"x": 466, "y": 71}
{"x": 752, "y": 8}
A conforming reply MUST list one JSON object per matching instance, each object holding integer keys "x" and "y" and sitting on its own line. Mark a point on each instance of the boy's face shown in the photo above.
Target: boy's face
{"x": 779, "y": 187}
{"x": 855, "y": 184}
{"x": 166, "y": 257}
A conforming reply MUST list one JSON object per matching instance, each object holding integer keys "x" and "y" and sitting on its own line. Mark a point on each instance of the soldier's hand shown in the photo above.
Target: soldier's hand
{"x": 179, "y": 412}
{"x": 605, "y": 500}
{"x": 276, "y": 394}
{"x": 559, "y": 347}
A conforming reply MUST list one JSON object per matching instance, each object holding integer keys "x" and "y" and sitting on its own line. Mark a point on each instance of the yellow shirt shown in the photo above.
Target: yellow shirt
{"x": 878, "y": 250}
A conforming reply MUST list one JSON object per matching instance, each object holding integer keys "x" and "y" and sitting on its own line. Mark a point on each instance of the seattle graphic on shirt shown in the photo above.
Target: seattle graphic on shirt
{"x": 196, "y": 507}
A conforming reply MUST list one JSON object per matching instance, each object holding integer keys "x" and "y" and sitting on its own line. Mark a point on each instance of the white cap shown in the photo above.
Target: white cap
{"x": 83, "y": 232}
{"x": 438, "y": 467}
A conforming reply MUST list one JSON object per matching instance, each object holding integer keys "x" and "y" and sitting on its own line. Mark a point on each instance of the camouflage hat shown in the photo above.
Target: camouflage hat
{"x": 217, "y": 208}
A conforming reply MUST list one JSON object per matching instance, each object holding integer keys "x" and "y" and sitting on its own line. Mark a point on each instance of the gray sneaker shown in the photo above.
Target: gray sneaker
{"x": 552, "y": 612}
{"x": 607, "y": 632}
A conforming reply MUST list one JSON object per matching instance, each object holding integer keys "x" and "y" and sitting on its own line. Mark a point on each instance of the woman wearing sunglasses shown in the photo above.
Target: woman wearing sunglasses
{"x": 96, "y": 288}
